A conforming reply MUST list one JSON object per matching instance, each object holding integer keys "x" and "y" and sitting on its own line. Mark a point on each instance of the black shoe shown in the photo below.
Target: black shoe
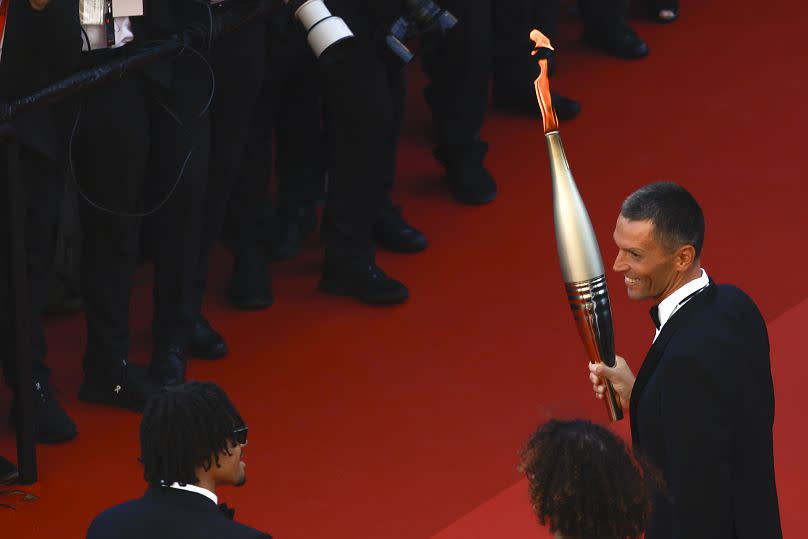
{"x": 205, "y": 342}
{"x": 566, "y": 108}
{"x": 365, "y": 282}
{"x": 470, "y": 182}
{"x": 392, "y": 232}
{"x": 621, "y": 41}
{"x": 250, "y": 286}
{"x": 167, "y": 366}
{"x": 524, "y": 102}
{"x": 128, "y": 388}
{"x": 52, "y": 425}
{"x": 290, "y": 228}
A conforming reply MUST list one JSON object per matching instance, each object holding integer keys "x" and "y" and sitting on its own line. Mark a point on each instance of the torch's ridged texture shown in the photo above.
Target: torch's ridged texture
{"x": 592, "y": 311}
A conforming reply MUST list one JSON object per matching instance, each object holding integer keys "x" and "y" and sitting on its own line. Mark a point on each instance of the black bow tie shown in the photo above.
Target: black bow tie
{"x": 655, "y": 315}
{"x": 226, "y": 511}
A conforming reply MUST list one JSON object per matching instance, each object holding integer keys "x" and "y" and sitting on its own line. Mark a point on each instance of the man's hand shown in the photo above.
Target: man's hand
{"x": 620, "y": 376}
{"x": 39, "y": 5}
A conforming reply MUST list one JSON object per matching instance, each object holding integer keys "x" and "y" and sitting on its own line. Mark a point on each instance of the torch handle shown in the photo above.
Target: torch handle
{"x": 613, "y": 404}
{"x": 592, "y": 312}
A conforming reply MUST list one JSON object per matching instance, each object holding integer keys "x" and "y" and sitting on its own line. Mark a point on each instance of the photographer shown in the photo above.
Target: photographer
{"x": 41, "y": 44}
{"x": 153, "y": 130}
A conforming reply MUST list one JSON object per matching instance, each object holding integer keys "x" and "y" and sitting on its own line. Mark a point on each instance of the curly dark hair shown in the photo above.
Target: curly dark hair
{"x": 185, "y": 427}
{"x": 584, "y": 482}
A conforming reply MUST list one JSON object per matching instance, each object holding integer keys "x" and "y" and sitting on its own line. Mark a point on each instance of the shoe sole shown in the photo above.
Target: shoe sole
{"x": 337, "y": 290}
{"x": 103, "y": 402}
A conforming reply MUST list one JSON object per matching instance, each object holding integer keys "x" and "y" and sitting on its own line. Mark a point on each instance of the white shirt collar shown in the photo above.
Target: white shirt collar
{"x": 680, "y": 296}
{"x": 199, "y": 490}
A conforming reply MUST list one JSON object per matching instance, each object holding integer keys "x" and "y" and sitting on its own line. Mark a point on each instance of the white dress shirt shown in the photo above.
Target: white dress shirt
{"x": 199, "y": 490}
{"x": 680, "y": 296}
{"x": 97, "y": 34}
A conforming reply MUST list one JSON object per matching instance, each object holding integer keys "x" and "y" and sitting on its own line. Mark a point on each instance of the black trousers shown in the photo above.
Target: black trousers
{"x": 459, "y": 70}
{"x": 238, "y": 61}
{"x": 43, "y": 185}
{"x": 287, "y": 125}
{"x": 363, "y": 112}
{"x": 111, "y": 152}
{"x": 175, "y": 229}
{"x": 129, "y": 154}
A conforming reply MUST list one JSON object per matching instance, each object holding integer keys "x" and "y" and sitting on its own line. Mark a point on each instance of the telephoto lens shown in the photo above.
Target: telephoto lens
{"x": 420, "y": 18}
{"x": 322, "y": 28}
{"x": 430, "y": 18}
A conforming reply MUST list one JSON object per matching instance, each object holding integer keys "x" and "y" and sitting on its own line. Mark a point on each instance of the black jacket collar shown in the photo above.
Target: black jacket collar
{"x": 180, "y": 498}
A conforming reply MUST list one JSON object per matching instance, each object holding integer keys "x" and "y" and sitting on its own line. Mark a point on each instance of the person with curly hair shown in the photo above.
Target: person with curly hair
{"x": 585, "y": 483}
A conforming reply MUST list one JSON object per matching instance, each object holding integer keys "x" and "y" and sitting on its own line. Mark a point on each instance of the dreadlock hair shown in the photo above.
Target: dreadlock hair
{"x": 185, "y": 427}
{"x": 584, "y": 482}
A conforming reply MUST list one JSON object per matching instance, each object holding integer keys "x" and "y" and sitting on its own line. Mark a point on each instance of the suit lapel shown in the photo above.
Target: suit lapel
{"x": 655, "y": 353}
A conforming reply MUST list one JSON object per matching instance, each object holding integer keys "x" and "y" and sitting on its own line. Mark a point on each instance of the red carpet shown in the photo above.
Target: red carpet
{"x": 405, "y": 423}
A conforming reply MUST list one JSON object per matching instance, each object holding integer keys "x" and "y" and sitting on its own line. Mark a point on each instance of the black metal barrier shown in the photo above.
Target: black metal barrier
{"x": 223, "y": 19}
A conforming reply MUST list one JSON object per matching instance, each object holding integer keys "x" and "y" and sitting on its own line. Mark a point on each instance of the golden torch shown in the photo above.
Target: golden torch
{"x": 578, "y": 252}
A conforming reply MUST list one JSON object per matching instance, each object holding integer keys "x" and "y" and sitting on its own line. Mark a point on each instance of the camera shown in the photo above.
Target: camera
{"x": 322, "y": 28}
{"x": 419, "y": 18}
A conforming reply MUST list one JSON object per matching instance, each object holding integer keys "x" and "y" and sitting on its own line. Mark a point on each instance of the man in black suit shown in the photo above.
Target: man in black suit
{"x": 192, "y": 441}
{"x": 702, "y": 405}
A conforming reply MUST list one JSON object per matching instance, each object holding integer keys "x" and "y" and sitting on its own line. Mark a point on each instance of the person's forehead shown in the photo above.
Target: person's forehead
{"x": 636, "y": 232}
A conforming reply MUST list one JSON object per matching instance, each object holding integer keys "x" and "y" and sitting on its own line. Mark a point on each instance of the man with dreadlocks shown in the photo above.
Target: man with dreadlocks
{"x": 192, "y": 441}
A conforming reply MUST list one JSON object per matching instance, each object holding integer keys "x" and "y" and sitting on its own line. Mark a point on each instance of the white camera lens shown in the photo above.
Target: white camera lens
{"x": 322, "y": 28}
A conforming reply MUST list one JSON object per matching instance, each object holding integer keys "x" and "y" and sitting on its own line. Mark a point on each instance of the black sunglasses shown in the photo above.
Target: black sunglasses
{"x": 240, "y": 435}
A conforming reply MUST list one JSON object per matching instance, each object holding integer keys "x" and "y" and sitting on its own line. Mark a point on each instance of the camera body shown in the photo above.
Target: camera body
{"x": 419, "y": 18}
{"x": 322, "y": 28}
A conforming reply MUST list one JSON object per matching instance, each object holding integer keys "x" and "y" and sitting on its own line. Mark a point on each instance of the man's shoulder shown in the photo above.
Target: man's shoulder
{"x": 724, "y": 303}
{"x": 116, "y": 516}
{"x": 141, "y": 513}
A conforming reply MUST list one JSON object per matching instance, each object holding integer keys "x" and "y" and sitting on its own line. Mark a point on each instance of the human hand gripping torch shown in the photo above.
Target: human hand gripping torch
{"x": 578, "y": 252}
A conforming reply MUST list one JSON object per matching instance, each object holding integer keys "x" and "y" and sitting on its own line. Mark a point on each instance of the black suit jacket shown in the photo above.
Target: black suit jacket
{"x": 166, "y": 513}
{"x": 702, "y": 410}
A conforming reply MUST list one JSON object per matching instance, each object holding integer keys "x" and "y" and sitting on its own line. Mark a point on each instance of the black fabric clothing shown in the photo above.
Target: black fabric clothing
{"x": 459, "y": 69}
{"x": 175, "y": 229}
{"x": 166, "y": 513}
{"x": 362, "y": 133}
{"x": 39, "y": 48}
{"x": 702, "y": 410}
{"x": 238, "y": 61}
{"x": 287, "y": 125}
{"x": 111, "y": 154}
{"x": 514, "y": 69}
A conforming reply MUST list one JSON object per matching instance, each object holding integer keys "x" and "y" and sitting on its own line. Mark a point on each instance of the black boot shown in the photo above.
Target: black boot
{"x": 289, "y": 230}
{"x": 469, "y": 180}
{"x": 127, "y": 387}
{"x": 392, "y": 232}
{"x": 167, "y": 366}
{"x": 52, "y": 425}
{"x": 619, "y": 40}
{"x": 205, "y": 342}
{"x": 363, "y": 281}
{"x": 250, "y": 285}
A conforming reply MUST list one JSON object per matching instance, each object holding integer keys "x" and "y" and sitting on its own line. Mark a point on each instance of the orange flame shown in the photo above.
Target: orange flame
{"x": 542, "y": 84}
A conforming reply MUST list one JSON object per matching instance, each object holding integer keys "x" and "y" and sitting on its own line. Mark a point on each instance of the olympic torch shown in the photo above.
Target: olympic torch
{"x": 578, "y": 252}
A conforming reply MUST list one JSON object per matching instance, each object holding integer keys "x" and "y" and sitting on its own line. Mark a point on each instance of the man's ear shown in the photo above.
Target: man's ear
{"x": 685, "y": 256}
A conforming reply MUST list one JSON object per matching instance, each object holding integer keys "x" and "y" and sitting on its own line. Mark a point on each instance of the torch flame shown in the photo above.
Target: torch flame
{"x": 542, "y": 84}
